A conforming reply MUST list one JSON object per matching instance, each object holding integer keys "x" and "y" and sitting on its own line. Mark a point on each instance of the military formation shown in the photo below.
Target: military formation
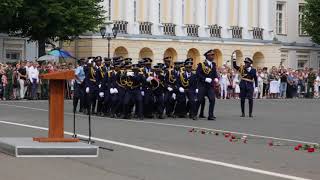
{"x": 118, "y": 88}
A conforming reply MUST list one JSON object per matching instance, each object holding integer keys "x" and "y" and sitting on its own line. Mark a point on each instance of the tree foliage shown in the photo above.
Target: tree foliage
{"x": 51, "y": 20}
{"x": 311, "y": 20}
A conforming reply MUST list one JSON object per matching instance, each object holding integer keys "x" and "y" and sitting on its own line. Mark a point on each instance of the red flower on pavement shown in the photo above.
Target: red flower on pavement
{"x": 311, "y": 150}
{"x": 297, "y": 148}
{"x": 245, "y": 141}
{"x": 270, "y": 143}
{"x": 299, "y": 145}
{"x": 230, "y": 140}
{"x": 226, "y": 135}
{"x": 233, "y": 137}
{"x": 191, "y": 130}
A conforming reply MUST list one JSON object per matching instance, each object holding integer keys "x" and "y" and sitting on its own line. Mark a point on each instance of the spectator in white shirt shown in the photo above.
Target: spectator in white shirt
{"x": 34, "y": 79}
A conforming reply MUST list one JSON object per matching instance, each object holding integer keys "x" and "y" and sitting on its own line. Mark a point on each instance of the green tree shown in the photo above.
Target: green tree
{"x": 53, "y": 20}
{"x": 311, "y": 20}
{"x": 8, "y": 10}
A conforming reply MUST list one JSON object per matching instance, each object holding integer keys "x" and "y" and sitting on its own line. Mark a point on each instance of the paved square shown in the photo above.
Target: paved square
{"x": 164, "y": 149}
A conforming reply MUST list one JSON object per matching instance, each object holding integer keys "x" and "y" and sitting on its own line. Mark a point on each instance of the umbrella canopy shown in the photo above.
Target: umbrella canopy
{"x": 60, "y": 53}
{"x": 48, "y": 58}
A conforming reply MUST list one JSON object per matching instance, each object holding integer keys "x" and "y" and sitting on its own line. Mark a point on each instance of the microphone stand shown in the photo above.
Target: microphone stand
{"x": 89, "y": 140}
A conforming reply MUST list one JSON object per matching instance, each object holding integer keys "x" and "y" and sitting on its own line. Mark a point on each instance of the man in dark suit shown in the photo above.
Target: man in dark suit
{"x": 248, "y": 83}
{"x": 207, "y": 77}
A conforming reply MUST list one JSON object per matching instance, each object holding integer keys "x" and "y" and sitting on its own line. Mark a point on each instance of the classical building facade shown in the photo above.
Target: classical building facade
{"x": 15, "y": 49}
{"x": 269, "y": 31}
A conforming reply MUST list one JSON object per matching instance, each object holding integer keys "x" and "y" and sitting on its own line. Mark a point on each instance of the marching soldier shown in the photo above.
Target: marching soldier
{"x": 100, "y": 78}
{"x": 248, "y": 80}
{"x": 147, "y": 93}
{"x": 91, "y": 86}
{"x": 171, "y": 92}
{"x": 187, "y": 83}
{"x": 207, "y": 76}
{"x": 158, "y": 87}
{"x": 133, "y": 95}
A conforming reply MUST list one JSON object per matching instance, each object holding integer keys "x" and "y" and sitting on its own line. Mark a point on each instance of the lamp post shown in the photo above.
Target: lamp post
{"x": 108, "y": 33}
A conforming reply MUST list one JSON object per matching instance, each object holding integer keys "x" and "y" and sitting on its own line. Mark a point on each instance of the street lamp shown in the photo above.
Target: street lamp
{"x": 108, "y": 33}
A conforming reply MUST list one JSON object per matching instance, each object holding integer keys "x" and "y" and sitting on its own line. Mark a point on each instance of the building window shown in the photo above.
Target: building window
{"x": 301, "y": 16}
{"x": 182, "y": 20}
{"x": 12, "y": 55}
{"x": 109, "y": 10}
{"x": 280, "y": 18}
{"x": 303, "y": 59}
{"x": 135, "y": 11}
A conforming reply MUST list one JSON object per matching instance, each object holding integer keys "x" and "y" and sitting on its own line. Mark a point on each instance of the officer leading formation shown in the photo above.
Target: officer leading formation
{"x": 119, "y": 89}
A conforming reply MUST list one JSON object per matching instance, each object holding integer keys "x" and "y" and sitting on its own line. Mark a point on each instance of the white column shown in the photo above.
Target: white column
{"x": 243, "y": 18}
{"x": 223, "y": 17}
{"x": 200, "y": 16}
{"x": 177, "y": 17}
{"x": 255, "y": 17}
{"x": 264, "y": 15}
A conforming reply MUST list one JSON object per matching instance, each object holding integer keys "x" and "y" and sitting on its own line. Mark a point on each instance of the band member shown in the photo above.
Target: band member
{"x": 188, "y": 89}
{"x": 133, "y": 94}
{"x": 91, "y": 86}
{"x": 100, "y": 79}
{"x": 248, "y": 80}
{"x": 207, "y": 77}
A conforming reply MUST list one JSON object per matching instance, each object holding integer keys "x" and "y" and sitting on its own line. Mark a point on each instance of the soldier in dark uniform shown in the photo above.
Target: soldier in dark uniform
{"x": 171, "y": 91}
{"x": 133, "y": 95}
{"x": 148, "y": 98}
{"x": 207, "y": 77}
{"x": 187, "y": 85}
{"x": 91, "y": 87}
{"x": 101, "y": 72}
{"x": 248, "y": 83}
{"x": 158, "y": 87}
{"x": 118, "y": 89}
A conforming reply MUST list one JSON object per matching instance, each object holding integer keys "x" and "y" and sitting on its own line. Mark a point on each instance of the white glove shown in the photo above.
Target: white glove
{"x": 142, "y": 93}
{"x": 256, "y": 90}
{"x": 99, "y": 85}
{"x": 170, "y": 89}
{"x": 130, "y": 73}
{"x": 149, "y": 79}
{"x": 101, "y": 94}
{"x": 197, "y": 91}
{"x": 181, "y": 89}
{"x": 115, "y": 90}
{"x": 111, "y": 91}
{"x": 216, "y": 80}
{"x": 87, "y": 90}
{"x": 208, "y": 80}
{"x": 174, "y": 96}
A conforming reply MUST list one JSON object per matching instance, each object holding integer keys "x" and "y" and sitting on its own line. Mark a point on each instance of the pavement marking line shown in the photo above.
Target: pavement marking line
{"x": 179, "y": 125}
{"x": 181, "y": 156}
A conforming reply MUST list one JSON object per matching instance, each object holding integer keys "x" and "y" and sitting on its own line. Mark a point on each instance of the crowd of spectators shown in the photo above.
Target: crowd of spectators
{"x": 21, "y": 80}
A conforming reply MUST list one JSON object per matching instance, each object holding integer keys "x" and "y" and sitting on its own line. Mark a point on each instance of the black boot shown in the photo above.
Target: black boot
{"x": 243, "y": 100}
{"x": 250, "y": 107}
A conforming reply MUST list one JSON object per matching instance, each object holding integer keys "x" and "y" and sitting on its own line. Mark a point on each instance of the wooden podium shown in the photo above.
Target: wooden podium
{"x": 56, "y": 106}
